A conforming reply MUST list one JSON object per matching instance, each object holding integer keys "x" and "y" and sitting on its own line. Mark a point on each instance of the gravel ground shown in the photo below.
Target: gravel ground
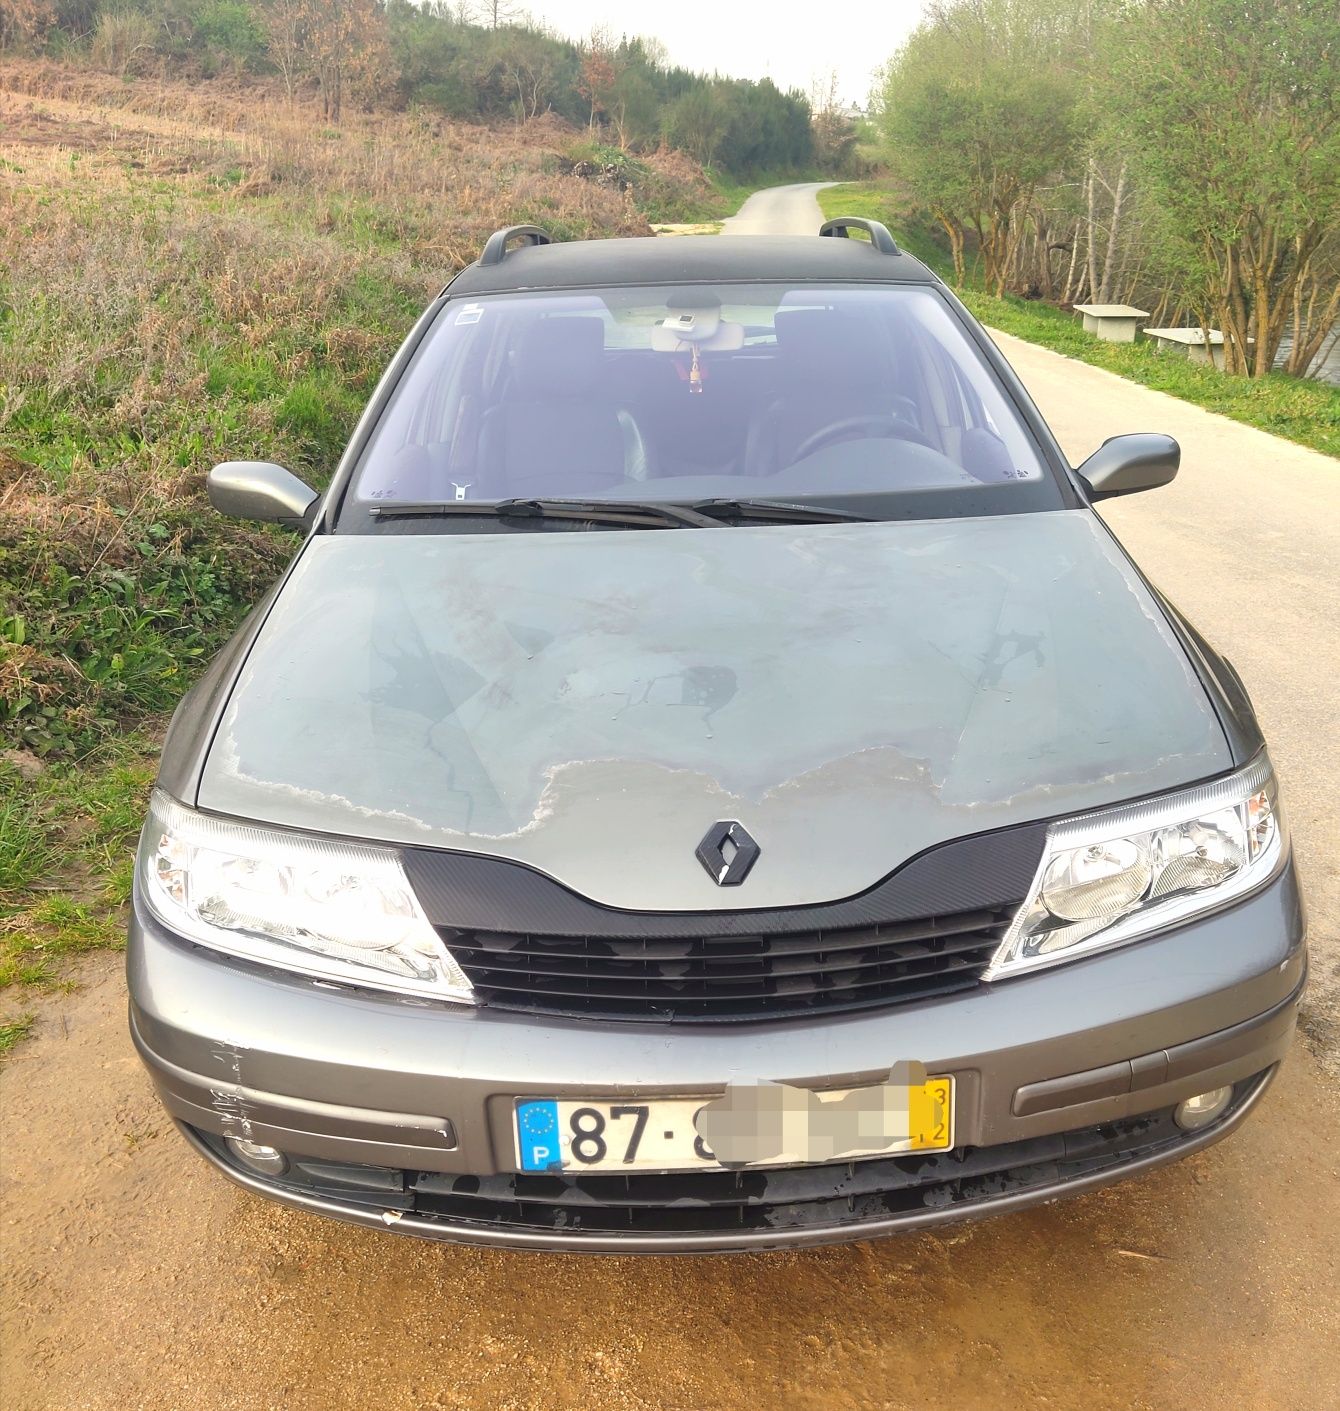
{"x": 136, "y": 1279}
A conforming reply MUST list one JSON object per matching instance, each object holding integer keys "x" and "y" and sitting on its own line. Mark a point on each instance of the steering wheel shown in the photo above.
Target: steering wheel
{"x": 870, "y": 426}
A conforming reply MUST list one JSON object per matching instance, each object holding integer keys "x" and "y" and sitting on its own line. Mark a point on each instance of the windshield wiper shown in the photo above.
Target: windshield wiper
{"x": 641, "y": 514}
{"x": 777, "y": 511}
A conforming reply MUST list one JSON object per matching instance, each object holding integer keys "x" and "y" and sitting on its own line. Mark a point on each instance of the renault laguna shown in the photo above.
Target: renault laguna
{"x": 708, "y": 780}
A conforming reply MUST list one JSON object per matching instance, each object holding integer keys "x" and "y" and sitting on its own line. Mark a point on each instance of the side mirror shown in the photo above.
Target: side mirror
{"x": 260, "y": 490}
{"x": 1124, "y": 464}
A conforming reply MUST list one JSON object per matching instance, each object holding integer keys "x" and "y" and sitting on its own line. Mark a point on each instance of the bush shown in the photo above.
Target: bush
{"x": 243, "y": 308}
{"x": 122, "y": 42}
{"x": 230, "y": 28}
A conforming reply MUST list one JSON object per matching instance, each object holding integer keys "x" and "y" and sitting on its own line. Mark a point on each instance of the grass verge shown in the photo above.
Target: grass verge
{"x": 1298, "y": 409}
{"x": 66, "y": 857}
{"x": 190, "y": 274}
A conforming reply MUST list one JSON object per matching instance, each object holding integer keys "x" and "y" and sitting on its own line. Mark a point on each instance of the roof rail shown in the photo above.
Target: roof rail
{"x": 495, "y": 248}
{"x": 879, "y": 234}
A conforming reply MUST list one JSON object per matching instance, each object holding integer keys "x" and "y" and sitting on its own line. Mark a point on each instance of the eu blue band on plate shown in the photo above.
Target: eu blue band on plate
{"x": 537, "y": 1130}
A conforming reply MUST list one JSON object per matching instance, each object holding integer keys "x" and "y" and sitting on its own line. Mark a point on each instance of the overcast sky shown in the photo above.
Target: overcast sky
{"x": 790, "y": 42}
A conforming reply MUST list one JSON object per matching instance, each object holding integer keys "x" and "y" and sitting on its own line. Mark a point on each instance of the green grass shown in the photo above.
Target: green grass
{"x": 12, "y": 1031}
{"x": 66, "y": 859}
{"x": 150, "y": 336}
{"x": 25, "y": 845}
{"x": 166, "y": 304}
{"x": 1298, "y": 409}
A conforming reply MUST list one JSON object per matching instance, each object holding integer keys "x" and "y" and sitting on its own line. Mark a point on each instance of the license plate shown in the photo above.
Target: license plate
{"x": 660, "y": 1134}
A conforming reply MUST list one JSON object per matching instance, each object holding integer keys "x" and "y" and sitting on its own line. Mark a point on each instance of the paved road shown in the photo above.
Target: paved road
{"x": 780, "y": 210}
{"x": 1246, "y": 541}
{"x": 134, "y": 1279}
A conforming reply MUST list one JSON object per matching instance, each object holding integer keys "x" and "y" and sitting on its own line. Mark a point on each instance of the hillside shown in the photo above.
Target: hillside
{"x": 190, "y": 273}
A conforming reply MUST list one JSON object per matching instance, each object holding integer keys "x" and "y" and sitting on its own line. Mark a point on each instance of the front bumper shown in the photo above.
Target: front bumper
{"x": 1065, "y": 1080}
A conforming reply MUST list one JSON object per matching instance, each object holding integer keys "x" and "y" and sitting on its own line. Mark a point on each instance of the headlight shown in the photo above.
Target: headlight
{"x": 337, "y": 910}
{"x": 1112, "y": 877}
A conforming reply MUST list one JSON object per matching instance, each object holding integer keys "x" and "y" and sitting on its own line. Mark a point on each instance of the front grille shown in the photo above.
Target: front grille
{"x": 707, "y": 978}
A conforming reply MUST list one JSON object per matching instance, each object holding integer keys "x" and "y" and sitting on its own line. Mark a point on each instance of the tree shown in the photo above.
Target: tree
{"x": 696, "y": 122}
{"x": 345, "y": 46}
{"x": 635, "y": 102}
{"x": 23, "y": 22}
{"x": 531, "y": 68}
{"x": 834, "y": 131}
{"x": 284, "y": 23}
{"x": 491, "y": 14}
{"x": 229, "y": 28}
{"x": 1230, "y": 110}
{"x": 978, "y": 111}
{"x": 600, "y": 74}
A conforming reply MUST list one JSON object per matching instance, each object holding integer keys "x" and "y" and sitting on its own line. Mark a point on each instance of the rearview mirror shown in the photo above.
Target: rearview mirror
{"x": 260, "y": 490}
{"x": 1124, "y": 464}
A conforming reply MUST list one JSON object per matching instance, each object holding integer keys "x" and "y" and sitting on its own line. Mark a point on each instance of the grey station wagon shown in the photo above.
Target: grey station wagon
{"x": 708, "y": 780}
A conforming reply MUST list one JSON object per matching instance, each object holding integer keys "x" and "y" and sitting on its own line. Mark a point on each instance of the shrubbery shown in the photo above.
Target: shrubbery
{"x": 426, "y": 55}
{"x": 166, "y": 303}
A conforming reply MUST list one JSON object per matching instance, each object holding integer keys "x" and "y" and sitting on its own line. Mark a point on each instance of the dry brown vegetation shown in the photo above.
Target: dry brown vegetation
{"x": 444, "y": 185}
{"x": 190, "y": 273}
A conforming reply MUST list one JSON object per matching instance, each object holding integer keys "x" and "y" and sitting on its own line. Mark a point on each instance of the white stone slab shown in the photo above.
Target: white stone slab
{"x": 1191, "y": 341}
{"x": 1113, "y": 323}
{"x": 1111, "y": 310}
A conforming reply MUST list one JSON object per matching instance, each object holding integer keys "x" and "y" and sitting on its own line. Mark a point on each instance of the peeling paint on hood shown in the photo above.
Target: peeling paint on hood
{"x": 590, "y": 703}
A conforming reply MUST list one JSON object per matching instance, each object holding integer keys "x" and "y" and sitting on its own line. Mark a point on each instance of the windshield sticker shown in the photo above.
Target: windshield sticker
{"x": 471, "y": 313}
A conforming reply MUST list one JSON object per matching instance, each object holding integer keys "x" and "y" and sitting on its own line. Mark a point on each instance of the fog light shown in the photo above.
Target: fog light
{"x": 266, "y": 1160}
{"x": 1199, "y": 1111}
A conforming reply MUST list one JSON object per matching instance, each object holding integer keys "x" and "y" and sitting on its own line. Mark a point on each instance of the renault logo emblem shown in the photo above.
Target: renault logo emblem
{"x": 727, "y": 853}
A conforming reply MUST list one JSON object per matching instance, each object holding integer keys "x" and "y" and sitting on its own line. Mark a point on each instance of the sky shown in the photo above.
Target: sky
{"x": 790, "y": 42}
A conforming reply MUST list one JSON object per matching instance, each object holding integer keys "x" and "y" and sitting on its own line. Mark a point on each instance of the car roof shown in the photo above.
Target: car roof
{"x": 592, "y": 264}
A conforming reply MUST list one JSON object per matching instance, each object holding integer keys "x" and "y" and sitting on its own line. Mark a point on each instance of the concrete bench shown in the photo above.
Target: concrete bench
{"x": 1114, "y": 323}
{"x": 1191, "y": 343}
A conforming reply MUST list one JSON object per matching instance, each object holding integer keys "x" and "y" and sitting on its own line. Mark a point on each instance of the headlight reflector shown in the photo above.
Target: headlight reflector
{"x": 341, "y": 911}
{"x": 1111, "y": 877}
{"x": 1102, "y": 879}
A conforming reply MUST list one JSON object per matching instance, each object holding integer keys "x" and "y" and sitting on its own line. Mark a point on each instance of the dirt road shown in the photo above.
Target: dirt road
{"x": 136, "y": 1278}
{"x": 133, "y": 1277}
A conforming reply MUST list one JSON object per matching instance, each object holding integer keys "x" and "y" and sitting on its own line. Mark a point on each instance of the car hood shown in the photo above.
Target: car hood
{"x": 591, "y": 703}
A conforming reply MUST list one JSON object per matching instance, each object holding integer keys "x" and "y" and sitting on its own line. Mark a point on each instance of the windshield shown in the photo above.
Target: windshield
{"x": 869, "y": 397}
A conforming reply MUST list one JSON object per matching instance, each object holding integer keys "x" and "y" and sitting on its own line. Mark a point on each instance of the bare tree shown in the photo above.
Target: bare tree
{"x": 599, "y": 73}
{"x": 491, "y": 14}
{"x": 284, "y": 30}
{"x": 832, "y": 128}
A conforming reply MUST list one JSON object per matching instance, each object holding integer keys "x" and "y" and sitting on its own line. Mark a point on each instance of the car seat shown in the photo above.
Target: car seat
{"x": 558, "y": 429}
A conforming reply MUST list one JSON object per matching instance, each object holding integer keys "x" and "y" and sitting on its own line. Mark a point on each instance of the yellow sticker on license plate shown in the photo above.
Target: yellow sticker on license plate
{"x": 664, "y": 1134}
{"x": 930, "y": 1115}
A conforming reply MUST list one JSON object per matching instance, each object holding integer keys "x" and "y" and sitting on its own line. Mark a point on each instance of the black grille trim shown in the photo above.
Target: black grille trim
{"x": 717, "y": 978}
{"x": 473, "y": 892}
{"x": 791, "y": 1198}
